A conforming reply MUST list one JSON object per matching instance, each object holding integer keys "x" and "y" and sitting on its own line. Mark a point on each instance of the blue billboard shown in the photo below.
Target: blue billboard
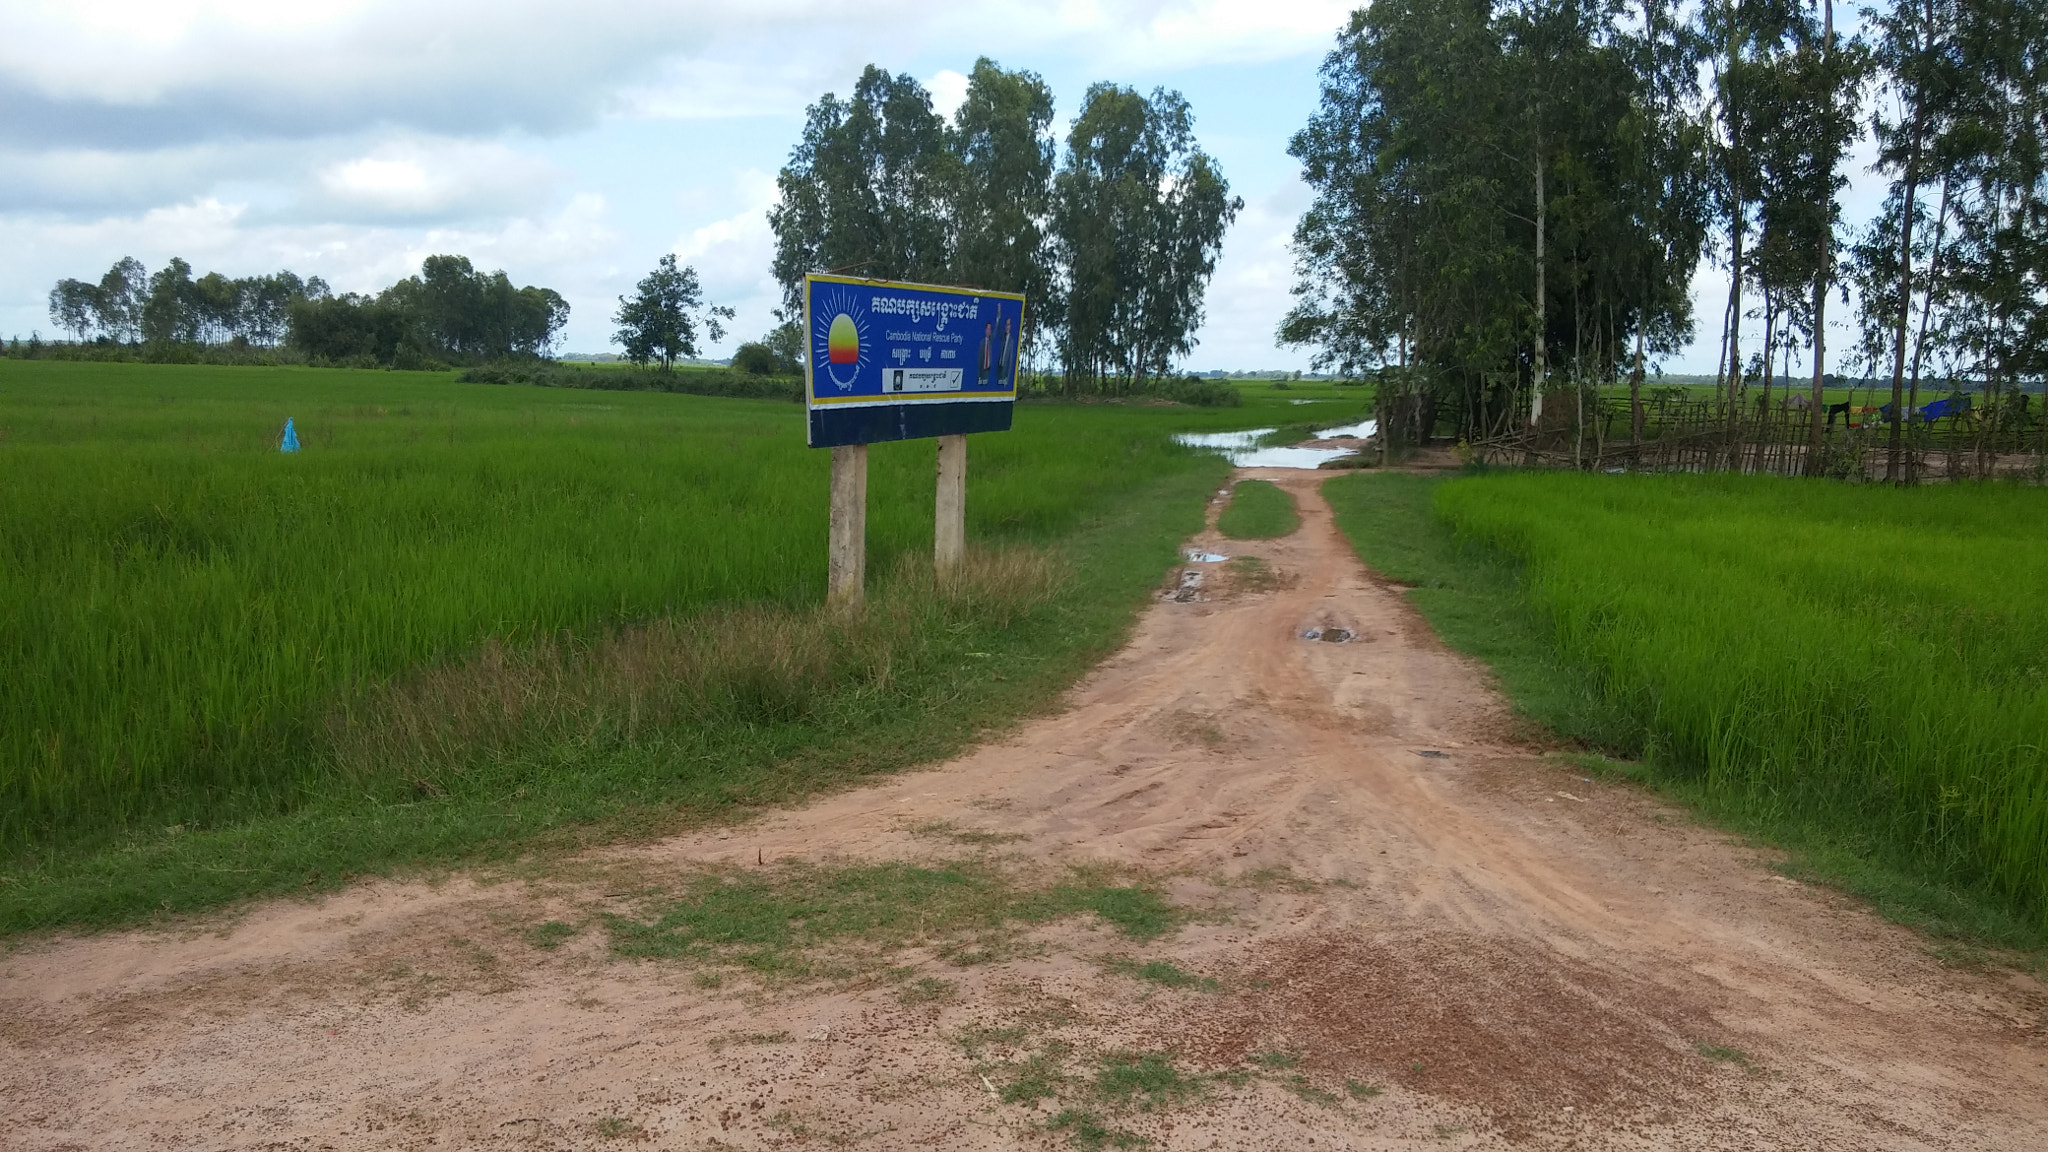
{"x": 892, "y": 361}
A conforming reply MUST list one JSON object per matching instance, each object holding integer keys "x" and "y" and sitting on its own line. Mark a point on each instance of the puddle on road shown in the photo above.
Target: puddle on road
{"x": 1197, "y": 556}
{"x": 1243, "y": 451}
{"x": 1329, "y": 635}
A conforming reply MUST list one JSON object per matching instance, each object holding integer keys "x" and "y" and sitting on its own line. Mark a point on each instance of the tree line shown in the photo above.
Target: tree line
{"x": 1113, "y": 240}
{"x": 1511, "y": 199}
{"x": 130, "y": 305}
{"x": 450, "y": 313}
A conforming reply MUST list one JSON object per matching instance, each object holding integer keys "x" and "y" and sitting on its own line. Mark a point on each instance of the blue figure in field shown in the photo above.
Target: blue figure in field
{"x": 290, "y": 443}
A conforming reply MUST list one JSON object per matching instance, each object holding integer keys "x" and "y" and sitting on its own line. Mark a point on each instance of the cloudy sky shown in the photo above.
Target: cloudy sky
{"x": 570, "y": 144}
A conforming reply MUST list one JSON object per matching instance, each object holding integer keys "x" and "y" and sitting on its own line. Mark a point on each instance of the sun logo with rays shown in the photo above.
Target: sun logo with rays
{"x": 839, "y": 336}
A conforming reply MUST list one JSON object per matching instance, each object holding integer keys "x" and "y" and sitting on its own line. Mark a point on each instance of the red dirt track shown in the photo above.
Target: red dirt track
{"x": 1471, "y": 949}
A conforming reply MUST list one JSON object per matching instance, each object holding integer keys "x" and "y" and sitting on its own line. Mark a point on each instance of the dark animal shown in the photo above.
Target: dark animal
{"x": 1841, "y": 410}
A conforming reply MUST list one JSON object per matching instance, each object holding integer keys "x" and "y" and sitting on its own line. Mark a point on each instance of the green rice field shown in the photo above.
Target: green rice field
{"x": 468, "y": 614}
{"x": 1868, "y": 662}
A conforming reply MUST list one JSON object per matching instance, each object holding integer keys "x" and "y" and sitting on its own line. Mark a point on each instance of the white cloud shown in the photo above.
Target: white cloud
{"x": 949, "y": 91}
{"x": 1230, "y": 31}
{"x": 152, "y": 72}
{"x": 414, "y": 178}
{"x": 1250, "y": 293}
{"x": 732, "y": 256}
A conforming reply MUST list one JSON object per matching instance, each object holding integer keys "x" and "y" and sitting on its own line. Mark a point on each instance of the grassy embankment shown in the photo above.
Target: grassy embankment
{"x": 467, "y": 620}
{"x": 1854, "y": 673}
{"x": 1258, "y": 510}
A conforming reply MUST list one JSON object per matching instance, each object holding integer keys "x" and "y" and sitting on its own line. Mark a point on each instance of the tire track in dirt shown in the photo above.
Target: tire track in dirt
{"x": 1423, "y": 935}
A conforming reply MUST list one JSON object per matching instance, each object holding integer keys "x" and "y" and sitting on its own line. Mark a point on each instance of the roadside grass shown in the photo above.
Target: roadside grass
{"x": 1086, "y": 1130}
{"x": 1123, "y": 1084}
{"x": 1092, "y": 1092}
{"x": 469, "y": 623}
{"x": 1722, "y": 1054}
{"x": 1790, "y": 660}
{"x": 795, "y": 922}
{"x": 799, "y": 920}
{"x": 1258, "y": 510}
{"x": 550, "y": 934}
{"x": 1160, "y": 972}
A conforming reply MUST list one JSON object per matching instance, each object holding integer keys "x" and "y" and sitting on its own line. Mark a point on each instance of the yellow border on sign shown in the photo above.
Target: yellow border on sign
{"x": 900, "y": 397}
{"x": 826, "y": 278}
{"x": 814, "y": 400}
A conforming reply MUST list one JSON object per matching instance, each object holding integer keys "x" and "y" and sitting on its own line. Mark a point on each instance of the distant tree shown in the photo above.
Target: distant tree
{"x": 217, "y": 307}
{"x": 122, "y": 293}
{"x": 1138, "y": 216}
{"x": 787, "y": 341}
{"x": 757, "y": 359}
{"x": 659, "y": 322}
{"x": 171, "y": 315}
{"x": 348, "y": 328}
{"x": 453, "y": 311}
{"x": 265, "y": 314}
{"x": 75, "y": 307}
{"x": 1898, "y": 255}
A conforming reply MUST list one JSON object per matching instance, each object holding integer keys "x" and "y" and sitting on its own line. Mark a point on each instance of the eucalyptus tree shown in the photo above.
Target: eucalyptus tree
{"x": 1138, "y": 217}
{"x": 869, "y": 188}
{"x": 1832, "y": 74}
{"x": 1910, "y": 38}
{"x": 1669, "y": 196}
{"x": 1794, "y": 84}
{"x": 75, "y": 308}
{"x": 1994, "y": 144}
{"x": 1623, "y": 227}
{"x": 1745, "y": 36}
{"x": 1004, "y": 152}
{"x": 210, "y": 309}
{"x": 880, "y": 185}
{"x": 170, "y": 312}
{"x": 1498, "y": 192}
{"x": 1407, "y": 258}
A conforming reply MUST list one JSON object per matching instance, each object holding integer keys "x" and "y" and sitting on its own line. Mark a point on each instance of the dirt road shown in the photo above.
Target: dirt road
{"x": 1399, "y": 930}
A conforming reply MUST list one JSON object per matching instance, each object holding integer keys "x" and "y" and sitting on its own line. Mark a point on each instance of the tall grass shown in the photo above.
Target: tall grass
{"x": 657, "y": 683}
{"x": 1868, "y": 660}
{"x": 185, "y": 612}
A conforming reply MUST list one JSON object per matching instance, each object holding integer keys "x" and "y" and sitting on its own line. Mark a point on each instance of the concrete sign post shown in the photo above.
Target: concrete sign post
{"x": 949, "y": 533}
{"x": 889, "y": 361}
{"x": 846, "y": 560}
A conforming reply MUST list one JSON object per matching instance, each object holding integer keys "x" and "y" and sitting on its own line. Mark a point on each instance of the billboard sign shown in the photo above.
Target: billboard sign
{"x": 890, "y": 361}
